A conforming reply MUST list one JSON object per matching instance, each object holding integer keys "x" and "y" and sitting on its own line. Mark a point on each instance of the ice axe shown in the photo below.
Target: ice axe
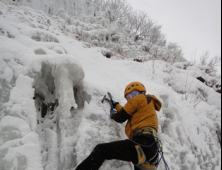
{"x": 109, "y": 100}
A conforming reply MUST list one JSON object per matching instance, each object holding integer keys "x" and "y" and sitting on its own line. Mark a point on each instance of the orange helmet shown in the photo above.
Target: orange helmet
{"x": 134, "y": 86}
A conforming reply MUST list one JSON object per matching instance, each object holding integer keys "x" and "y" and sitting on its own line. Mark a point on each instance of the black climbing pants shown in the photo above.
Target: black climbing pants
{"x": 121, "y": 150}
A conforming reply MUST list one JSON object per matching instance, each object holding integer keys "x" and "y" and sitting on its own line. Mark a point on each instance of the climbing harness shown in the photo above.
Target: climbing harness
{"x": 151, "y": 164}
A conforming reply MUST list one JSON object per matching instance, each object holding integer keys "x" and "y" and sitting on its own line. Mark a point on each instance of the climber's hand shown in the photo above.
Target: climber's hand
{"x": 114, "y": 103}
{"x": 112, "y": 112}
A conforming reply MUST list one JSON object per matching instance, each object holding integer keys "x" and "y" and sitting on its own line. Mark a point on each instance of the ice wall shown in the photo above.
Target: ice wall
{"x": 29, "y": 82}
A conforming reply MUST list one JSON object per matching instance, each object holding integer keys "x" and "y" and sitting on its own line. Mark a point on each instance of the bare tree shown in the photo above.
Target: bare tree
{"x": 117, "y": 9}
{"x": 138, "y": 24}
{"x": 215, "y": 62}
{"x": 212, "y": 63}
{"x": 204, "y": 59}
{"x": 175, "y": 51}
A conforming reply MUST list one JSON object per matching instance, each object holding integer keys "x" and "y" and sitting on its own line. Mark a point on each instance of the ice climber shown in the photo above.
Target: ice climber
{"x": 142, "y": 126}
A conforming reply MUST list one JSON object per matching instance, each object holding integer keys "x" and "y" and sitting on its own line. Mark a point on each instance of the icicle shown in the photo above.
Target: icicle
{"x": 64, "y": 90}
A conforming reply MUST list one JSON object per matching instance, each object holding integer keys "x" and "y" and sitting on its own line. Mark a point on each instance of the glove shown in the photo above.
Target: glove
{"x": 112, "y": 112}
{"x": 114, "y": 103}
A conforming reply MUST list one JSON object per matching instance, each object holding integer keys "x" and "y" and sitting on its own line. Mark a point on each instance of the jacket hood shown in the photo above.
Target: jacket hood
{"x": 157, "y": 103}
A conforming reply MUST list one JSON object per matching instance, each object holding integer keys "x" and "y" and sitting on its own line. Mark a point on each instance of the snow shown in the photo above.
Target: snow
{"x": 44, "y": 70}
{"x": 7, "y": 75}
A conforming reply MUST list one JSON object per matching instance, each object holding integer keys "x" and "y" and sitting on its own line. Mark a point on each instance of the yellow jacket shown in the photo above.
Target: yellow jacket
{"x": 140, "y": 111}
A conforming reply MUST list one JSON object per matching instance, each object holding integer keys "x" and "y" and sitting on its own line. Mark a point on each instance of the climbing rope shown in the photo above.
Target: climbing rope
{"x": 164, "y": 161}
{"x": 160, "y": 145}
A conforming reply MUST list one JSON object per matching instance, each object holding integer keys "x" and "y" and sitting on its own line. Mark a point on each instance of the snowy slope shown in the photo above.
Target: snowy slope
{"x": 45, "y": 72}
